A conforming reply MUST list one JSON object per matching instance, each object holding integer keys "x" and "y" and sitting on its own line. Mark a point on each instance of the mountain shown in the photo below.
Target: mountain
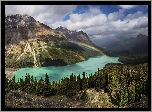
{"x": 24, "y": 27}
{"x": 138, "y": 45}
{"x": 75, "y": 36}
{"x": 29, "y": 43}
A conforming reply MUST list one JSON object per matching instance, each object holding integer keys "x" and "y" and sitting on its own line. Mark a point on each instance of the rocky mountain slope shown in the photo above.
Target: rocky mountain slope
{"x": 24, "y": 27}
{"x": 29, "y": 43}
{"x": 74, "y": 35}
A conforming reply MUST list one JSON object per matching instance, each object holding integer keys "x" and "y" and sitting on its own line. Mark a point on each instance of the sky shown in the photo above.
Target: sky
{"x": 101, "y": 22}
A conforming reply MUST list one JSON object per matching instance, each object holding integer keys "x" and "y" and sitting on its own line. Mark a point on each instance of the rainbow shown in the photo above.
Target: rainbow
{"x": 91, "y": 47}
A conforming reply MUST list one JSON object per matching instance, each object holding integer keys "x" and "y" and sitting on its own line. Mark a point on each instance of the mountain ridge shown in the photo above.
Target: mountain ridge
{"x": 137, "y": 45}
{"x": 36, "y": 44}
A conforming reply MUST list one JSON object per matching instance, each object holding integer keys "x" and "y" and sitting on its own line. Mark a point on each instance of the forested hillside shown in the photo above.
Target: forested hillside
{"x": 125, "y": 84}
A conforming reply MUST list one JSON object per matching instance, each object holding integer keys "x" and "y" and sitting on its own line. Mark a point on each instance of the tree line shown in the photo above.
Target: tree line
{"x": 128, "y": 82}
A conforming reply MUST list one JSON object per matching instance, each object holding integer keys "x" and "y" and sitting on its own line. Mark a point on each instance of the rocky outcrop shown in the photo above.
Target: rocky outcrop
{"x": 19, "y": 21}
{"x": 9, "y": 72}
{"x": 79, "y": 36}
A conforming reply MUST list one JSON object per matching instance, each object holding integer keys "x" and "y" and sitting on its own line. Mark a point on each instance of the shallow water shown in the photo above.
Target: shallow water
{"x": 56, "y": 73}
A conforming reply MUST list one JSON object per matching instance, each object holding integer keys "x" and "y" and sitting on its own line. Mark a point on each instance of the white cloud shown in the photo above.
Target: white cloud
{"x": 93, "y": 22}
{"x": 82, "y": 21}
{"x": 134, "y": 16}
{"x": 41, "y": 13}
{"x": 127, "y": 6}
{"x": 94, "y": 11}
{"x": 142, "y": 22}
{"x": 101, "y": 26}
{"x": 116, "y": 15}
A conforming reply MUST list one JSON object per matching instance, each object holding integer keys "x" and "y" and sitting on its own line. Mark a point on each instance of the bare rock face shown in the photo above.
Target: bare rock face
{"x": 23, "y": 27}
{"x": 18, "y": 21}
{"x": 76, "y": 36}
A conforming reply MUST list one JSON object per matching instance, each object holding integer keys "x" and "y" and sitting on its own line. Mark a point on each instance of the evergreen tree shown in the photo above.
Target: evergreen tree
{"x": 53, "y": 90}
{"x": 27, "y": 84}
{"x": 129, "y": 82}
{"x": 84, "y": 81}
{"x": 40, "y": 87}
{"x": 79, "y": 83}
{"x": 47, "y": 79}
{"x": 32, "y": 85}
{"x": 46, "y": 91}
{"x": 72, "y": 86}
{"x": 12, "y": 84}
{"x": 84, "y": 97}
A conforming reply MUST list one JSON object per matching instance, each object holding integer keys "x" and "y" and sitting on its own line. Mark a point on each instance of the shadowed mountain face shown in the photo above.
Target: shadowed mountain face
{"x": 29, "y": 43}
{"x": 138, "y": 45}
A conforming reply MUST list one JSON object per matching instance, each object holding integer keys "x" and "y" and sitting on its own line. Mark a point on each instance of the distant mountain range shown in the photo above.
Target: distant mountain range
{"x": 29, "y": 43}
{"x": 138, "y": 45}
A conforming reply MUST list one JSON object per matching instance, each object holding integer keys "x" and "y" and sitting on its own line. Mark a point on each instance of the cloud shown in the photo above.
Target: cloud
{"x": 135, "y": 15}
{"x": 94, "y": 22}
{"x": 91, "y": 18}
{"x": 116, "y": 15}
{"x": 141, "y": 23}
{"x": 101, "y": 26}
{"x": 127, "y": 6}
{"x": 41, "y": 13}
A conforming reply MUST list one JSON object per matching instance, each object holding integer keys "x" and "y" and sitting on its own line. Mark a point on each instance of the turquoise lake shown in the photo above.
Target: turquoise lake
{"x": 56, "y": 73}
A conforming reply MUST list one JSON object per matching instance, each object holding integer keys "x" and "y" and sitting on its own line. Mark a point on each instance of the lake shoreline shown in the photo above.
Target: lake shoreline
{"x": 89, "y": 66}
{"x": 10, "y": 71}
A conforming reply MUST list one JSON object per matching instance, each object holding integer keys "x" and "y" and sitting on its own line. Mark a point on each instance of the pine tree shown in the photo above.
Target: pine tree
{"x": 40, "y": 87}
{"x": 46, "y": 91}
{"x": 84, "y": 81}
{"x": 84, "y": 97}
{"x": 64, "y": 84}
{"x": 91, "y": 81}
{"x": 72, "y": 86}
{"x": 47, "y": 79}
{"x": 53, "y": 90}
{"x": 21, "y": 84}
{"x": 79, "y": 83}
{"x": 27, "y": 83}
{"x": 12, "y": 84}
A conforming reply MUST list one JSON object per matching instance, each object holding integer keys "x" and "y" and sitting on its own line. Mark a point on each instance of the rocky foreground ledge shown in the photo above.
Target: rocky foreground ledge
{"x": 19, "y": 99}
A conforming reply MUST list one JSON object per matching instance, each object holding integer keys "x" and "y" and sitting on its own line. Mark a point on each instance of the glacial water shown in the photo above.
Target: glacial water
{"x": 56, "y": 73}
